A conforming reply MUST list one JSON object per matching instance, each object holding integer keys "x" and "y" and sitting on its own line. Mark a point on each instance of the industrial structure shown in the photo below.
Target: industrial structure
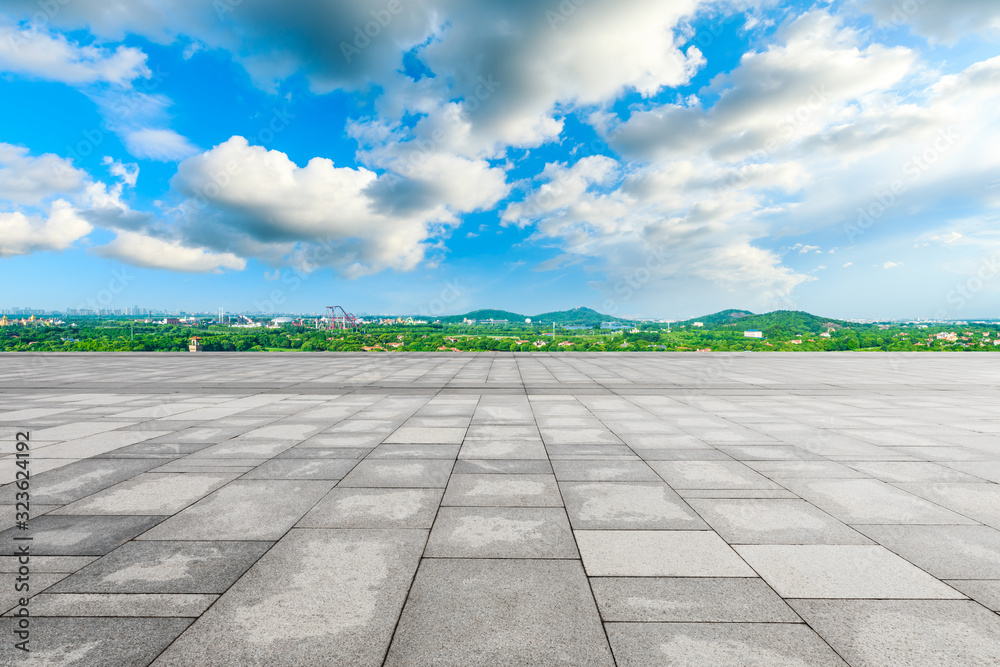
{"x": 345, "y": 320}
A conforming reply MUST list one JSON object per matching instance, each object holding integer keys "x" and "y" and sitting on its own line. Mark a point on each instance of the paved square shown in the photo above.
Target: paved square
{"x": 464, "y": 509}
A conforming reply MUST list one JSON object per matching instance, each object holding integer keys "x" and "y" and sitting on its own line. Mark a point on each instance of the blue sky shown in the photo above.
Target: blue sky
{"x": 639, "y": 157}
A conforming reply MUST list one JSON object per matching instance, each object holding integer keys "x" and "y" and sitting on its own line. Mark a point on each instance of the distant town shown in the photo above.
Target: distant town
{"x": 579, "y": 329}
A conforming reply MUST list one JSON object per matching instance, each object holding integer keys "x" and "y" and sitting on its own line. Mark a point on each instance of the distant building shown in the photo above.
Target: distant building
{"x": 753, "y": 334}
{"x": 698, "y": 324}
{"x": 195, "y": 345}
{"x": 614, "y": 326}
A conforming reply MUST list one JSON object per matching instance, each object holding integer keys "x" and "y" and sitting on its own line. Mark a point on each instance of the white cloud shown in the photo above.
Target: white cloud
{"x": 154, "y": 253}
{"x": 773, "y": 99}
{"x": 258, "y": 202}
{"x": 892, "y": 265}
{"x": 158, "y": 144}
{"x": 682, "y": 240}
{"x": 940, "y": 20}
{"x": 28, "y": 180}
{"x": 55, "y": 230}
{"x": 139, "y": 115}
{"x": 34, "y": 53}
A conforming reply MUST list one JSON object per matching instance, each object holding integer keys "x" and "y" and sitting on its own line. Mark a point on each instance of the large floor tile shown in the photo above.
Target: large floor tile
{"x": 658, "y": 553}
{"x": 910, "y": 633}
{"x": 842, "y": 571}
{"x": 327, "y": 597}
{"x": 719, "y": 645}
{"x": 499, "y": 612}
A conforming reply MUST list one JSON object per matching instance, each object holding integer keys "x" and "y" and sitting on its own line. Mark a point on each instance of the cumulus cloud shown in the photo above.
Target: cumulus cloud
{"x": 672, "y": 239}
{"x": 38, "y": 54}
{"x": 252, "y": 200}
{"x": 774, "y": 98}
{"x": 56, "y": 229}
{"x": 940, "y": 20}
{"x": 150, "y": 252}
{"x": 30, "y": 180}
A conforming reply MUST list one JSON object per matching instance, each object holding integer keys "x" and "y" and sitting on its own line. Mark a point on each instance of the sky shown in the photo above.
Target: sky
{"x": 645, "y": 158}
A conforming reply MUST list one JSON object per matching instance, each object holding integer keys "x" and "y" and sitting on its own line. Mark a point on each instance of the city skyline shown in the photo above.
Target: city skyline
{"x": 435, "y": 157}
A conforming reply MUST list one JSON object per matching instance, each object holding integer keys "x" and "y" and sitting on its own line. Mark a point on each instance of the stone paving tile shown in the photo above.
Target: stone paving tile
{"x": 842, "y": 571}
{"x": 910, "y": 471}
{"x": 690, "y": 599}
{"x": 499, "y": 612}
{"x": 579, "y": 436}
{"x": 93, "y": 642}
{"x": 181, "y": 567}
{"x": 710, "y": 475}
{"x": 778, "y": 470}
{"x": 634, "y": 505}
{"x": 374, "y": 508}
{"x": 502, "y": 491}
{"x": 150, "y": 493}
{"x": 430, "y": 436}
{"x": 590, "y": 452}
{"x": 289, "y": 468}
{"x": 303, "y": 452}
{"x": 10, "y": 598}
{"x": 41, "y": 564}
{"x": 947, "y": 552}
{"x": 386, "y": 451}
{"x": 773, "y": 521}
{"x": 719, "y": 645}
{"x": 989, "y": 471}
{"x": 980, "y": 502}
{"x": 706, "y": 454}
{"x": 502, "y": 466}
{"x": 327, "y": 597}
{"x": 78, "y": 535}
{"x": 986, "y": 593}
{"x": 603, "y": 471}
{"x": 244, "y": 510}
{"x": 658, "y": 553}
{"x": 736, "y": 493}
{"x": 502, "y": 449}
{"x": 408, "y": 473}
{"x": 871, "y": 501}
{"x": 78, "y": 480}
{"x": 147, "y": 605}
{"x": 921, "y": 633}
{"x": 501, "y": 532}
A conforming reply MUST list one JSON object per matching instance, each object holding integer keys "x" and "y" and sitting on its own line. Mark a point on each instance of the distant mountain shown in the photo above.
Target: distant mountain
{"x": 785, "y": 321}
{"x": 575, "y": 316}
{"x": 723, "y": 317}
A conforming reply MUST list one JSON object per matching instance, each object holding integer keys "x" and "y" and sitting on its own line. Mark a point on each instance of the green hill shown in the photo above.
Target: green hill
{"x": 575, "y": 316}
{"x": 721, "y": 318}
{"x": 776, "y": 323}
